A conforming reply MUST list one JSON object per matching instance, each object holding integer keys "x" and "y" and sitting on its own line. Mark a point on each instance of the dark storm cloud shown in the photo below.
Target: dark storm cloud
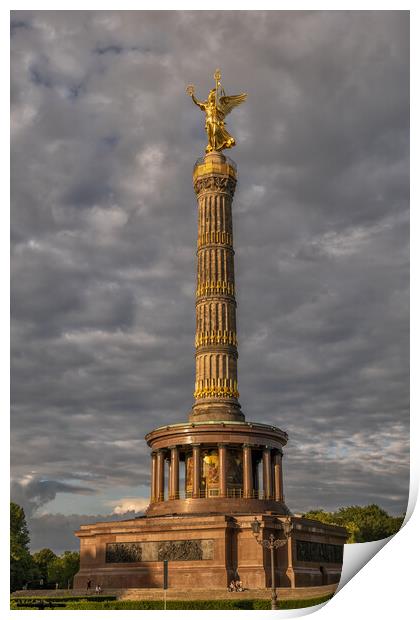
{"x": 31, "y": 493}
{"x": 103, "y": 228}
{"x": 56, "y": 531}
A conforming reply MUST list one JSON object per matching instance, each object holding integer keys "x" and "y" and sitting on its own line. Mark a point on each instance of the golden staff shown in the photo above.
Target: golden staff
{"x": 217, "y": 76}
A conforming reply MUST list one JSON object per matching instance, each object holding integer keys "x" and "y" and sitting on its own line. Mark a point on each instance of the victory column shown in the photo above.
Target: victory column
{"x": 217, "y": 494}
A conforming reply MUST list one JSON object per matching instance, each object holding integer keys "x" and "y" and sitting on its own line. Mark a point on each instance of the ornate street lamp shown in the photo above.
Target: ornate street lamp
{"x": 272, "y": 543}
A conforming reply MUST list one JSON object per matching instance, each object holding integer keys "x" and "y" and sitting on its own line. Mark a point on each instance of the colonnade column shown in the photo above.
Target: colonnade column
{"x": 222, "y": 470}
{"x": 281, "y": 476}
{"x": 153, "y": 482}
{"x": 160, "y": 475}
{"x": 196, "y": 470}
{"x": 255, "y": 477}
{"x": 174, "y": 473}
{"x": 247, "y": 469}
{"x": 278, "y": 477}
{"x": 267, "y": 478}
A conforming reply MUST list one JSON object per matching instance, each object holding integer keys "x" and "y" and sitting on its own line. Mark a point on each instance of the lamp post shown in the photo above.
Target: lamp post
{"x": 272, "y": 543}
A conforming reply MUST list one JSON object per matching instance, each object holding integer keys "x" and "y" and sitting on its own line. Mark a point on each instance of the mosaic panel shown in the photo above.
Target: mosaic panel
{"x": 307, "y": 551}
{"x": 157, "y": 551}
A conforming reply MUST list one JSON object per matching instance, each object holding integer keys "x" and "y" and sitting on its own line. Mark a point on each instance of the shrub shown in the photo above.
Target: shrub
{"x": 225, "y": 604}
{"x": 63, "y": 599}
{"x": 110, "y": 602}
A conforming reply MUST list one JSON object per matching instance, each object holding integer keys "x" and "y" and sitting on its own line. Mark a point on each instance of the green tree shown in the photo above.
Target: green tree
{"x": 42, "y": 559}
{"x": 63, "y": 568}
{"x": 363, "y": 523}
{"x": 21, "y": 564}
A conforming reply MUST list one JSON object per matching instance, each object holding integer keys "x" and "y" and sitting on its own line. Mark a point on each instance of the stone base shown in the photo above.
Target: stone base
{"x": 215, "y": 411}
{"x": 307, "y": 577}
{"x": 216, "y": 505}
{"x": 203, "y": 551}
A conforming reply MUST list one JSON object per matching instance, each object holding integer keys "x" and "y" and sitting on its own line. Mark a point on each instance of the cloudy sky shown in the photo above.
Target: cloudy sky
{"x": 103, "y": 249}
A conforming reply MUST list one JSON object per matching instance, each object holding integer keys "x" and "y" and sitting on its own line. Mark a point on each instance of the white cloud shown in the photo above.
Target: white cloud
{"x": 130, "y": 504}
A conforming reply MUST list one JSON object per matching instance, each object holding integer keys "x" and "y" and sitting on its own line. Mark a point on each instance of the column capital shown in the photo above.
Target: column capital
{"x": 222, "y": 445}
{"x": 248, "y": 445}
{"x": 174, "y": 447}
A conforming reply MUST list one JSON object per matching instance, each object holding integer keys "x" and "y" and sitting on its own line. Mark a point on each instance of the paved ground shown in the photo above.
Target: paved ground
{"x": 207, "y": 594}
{"x": 152, "y": 594}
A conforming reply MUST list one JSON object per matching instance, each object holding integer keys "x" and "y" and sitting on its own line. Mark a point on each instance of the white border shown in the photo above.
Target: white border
{"x": 387, "y": 585}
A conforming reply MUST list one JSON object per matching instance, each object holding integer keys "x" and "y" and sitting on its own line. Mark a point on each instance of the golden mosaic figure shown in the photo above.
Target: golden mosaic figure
{"x": 217, "y": 106}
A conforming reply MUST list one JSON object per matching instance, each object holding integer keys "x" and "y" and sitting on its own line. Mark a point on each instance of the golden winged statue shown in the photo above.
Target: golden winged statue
{"x": 217, "y": 106}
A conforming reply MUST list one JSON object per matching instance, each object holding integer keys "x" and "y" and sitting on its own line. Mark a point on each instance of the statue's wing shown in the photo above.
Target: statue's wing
{"x": 227, "y": 103}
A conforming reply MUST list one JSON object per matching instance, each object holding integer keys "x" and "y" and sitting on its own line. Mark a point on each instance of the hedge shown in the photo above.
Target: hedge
{"x": 224, "y": 604}
{"x": 32, "y": 602}
{"x": 60, "y": 599}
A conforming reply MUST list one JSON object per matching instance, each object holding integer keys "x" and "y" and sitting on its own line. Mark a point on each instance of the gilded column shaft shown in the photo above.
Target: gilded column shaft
{"x": 216, "y": 385}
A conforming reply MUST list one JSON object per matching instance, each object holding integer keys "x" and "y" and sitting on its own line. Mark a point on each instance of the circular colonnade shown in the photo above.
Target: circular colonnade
{"x": 216, "y": 467}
